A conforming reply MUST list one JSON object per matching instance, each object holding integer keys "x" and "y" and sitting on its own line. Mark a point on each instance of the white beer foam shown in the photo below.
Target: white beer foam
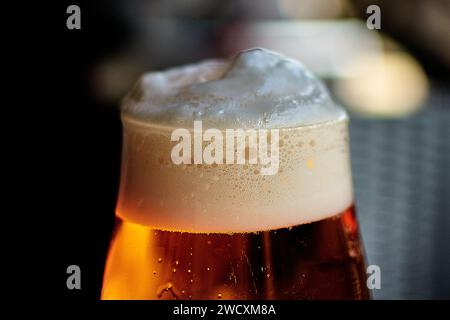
{"x": 258, "y": 89}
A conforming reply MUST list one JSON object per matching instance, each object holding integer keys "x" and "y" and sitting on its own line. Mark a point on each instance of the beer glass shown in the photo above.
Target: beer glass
{"x": 189, "y": 227}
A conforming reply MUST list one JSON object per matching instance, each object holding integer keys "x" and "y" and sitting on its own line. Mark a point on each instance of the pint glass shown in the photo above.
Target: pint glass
{"x": 201, "y": 229}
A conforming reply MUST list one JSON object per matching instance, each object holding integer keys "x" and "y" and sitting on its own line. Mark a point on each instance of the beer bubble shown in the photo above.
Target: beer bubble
{"x": 159, "y": 260}
{"x": 219, "y": 296}
{"x": 168, "y": 287}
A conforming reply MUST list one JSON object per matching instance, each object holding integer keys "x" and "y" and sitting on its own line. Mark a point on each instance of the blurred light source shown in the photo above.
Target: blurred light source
{"x": 311, "y": 9}
{"x": 391, "y": 85}
{"x": 326, "y": 47}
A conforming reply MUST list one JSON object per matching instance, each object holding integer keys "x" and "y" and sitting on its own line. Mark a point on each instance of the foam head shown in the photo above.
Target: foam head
{"x": 257, "y": 89}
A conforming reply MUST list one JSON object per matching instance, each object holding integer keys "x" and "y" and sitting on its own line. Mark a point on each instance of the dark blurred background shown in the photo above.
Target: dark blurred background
{"x": 393, "y": 81}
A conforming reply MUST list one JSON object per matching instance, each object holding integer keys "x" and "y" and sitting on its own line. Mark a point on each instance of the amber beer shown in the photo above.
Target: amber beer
{"x": 209, "y": 231}
{"x": 320, "y": 260}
